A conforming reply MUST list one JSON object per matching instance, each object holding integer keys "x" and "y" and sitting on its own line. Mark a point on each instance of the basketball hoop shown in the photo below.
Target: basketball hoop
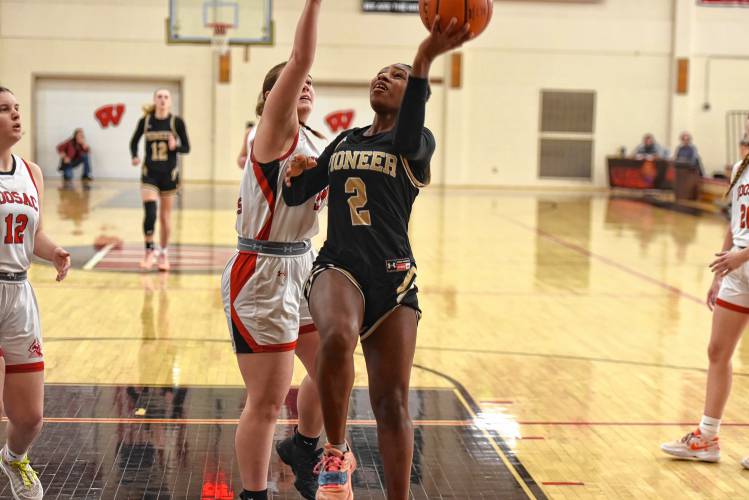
{"x": 220, "y": 45}
{"x": 220, "y": 40}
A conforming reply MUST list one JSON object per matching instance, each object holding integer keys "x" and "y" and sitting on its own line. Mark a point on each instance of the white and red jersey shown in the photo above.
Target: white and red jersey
{"x": 19, "y": 217}
{"x": 261, "y": 211}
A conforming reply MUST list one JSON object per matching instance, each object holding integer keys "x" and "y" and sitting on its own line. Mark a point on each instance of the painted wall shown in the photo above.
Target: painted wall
{"x": 622, "y": 49}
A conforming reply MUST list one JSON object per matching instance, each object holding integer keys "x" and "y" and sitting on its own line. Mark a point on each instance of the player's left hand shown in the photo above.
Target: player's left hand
{"x": 61, "y": 261}
{"x": 172, "y": 142}
{"x": 727, "y": 262}
{"x": 299, "y": 163}
{"x": 439, "y": 41}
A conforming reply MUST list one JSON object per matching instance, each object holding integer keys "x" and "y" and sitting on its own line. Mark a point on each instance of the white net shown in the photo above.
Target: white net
{"x": 220, "y": 38}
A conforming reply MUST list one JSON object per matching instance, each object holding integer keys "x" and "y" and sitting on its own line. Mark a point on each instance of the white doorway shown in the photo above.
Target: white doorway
{"x": 63, "y": 104}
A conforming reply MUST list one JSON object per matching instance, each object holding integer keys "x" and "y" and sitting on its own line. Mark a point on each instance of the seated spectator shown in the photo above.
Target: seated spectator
{"x": 650, "y": 149}
{"x": 74, "y": 152}
{"x": 687, "y": 152}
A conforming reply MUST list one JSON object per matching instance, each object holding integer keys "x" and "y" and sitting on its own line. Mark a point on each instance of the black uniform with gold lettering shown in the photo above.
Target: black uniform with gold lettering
{"x": 373, "y": 180}
{"x": 160, "y": 169}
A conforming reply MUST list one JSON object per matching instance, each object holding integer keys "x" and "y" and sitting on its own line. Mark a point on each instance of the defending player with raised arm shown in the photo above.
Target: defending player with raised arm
{"x": 266, "y": 312}
{"x": 166, "y": 136}
{"x": 21, "y": 359}
{"x": 363, "y": 284}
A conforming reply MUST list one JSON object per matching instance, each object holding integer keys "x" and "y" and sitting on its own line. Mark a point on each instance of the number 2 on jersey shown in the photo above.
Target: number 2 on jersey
{"x": 14, "y": 235}
{"x": 356, "y": 187}
{"x": 744, "y": 217}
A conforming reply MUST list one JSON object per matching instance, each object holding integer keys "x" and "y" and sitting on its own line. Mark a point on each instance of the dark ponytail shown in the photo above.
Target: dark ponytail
{"x": 739, "y": 173}
{"x": 314, "y": 132}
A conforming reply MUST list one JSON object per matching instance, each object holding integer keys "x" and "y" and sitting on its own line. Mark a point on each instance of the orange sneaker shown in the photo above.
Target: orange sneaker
{"x": 335, "y": 470}
{"x": 148, "y": 260}
{"x": 164, "y": 262}
{"x": 694, "y": 446}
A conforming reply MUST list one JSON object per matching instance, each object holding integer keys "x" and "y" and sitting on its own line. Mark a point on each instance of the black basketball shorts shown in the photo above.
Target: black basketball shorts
{"x": 163, "y": 181}
{"x": 382, "y": 292}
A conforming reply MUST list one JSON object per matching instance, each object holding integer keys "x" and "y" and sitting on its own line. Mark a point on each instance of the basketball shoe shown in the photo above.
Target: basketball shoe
{"x": 148, "y": 260}
{"x": 695, "y": 446}
{"x": 164, "y": 261}
{"x": 335, "y": 471}
{"x": 24, "y": 482}
{"x": 302, "y": 461}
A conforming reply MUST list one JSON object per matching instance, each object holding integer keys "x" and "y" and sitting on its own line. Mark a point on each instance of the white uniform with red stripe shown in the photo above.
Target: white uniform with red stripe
{"x": 262, "y": 293}
{"x": 734, "y": 289}
{"x": 20, "y": 327}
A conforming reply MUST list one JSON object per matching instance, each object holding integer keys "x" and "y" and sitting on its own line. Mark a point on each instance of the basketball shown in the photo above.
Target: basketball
{"x": 476, "y": 12}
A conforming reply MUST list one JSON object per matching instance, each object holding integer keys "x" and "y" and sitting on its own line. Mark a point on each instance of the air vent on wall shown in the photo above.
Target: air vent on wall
{"x": 567, "y": 124}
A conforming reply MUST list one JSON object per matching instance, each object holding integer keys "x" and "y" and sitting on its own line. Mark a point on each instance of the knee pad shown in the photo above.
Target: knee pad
{"x": 149, "y": 221}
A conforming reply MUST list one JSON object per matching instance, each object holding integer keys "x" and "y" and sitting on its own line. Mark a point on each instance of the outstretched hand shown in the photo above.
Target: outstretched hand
{"x": 298, "y": 164}
{"x": 61, "y": 261}
{"x": 440, "y": 41}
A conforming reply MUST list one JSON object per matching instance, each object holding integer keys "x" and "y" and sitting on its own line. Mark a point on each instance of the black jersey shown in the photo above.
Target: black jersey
{"x": 157, "y": 131}
{"x": 373, "y": 181}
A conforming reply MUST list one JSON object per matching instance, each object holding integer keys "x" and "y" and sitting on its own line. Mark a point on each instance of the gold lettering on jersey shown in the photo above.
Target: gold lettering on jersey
{"x": 376, "y": 161}
{"x": 161, "y": 135}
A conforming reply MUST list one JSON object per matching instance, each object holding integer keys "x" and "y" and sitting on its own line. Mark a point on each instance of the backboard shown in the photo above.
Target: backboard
{"x": 191, "y": 21}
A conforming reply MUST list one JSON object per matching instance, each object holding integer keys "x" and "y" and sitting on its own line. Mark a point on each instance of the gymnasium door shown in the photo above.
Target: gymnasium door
{"x": 106, "y": 110}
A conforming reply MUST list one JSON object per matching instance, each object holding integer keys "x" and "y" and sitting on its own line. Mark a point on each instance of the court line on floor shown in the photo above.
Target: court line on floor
{"x": 577, "y": 423}
{"x": 233, "y": 421}
{"x": 526, "y": 482}
{"x": 606, "y": 260}
{"x": 98, "y": 256}
{"x": 571, "y": 357}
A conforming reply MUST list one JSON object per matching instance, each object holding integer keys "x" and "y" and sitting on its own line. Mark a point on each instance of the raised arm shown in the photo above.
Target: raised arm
{"x": 277, "y": 129}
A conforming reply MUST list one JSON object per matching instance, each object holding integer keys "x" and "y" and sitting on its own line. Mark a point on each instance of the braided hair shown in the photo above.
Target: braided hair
{"x": 739, "y": 173}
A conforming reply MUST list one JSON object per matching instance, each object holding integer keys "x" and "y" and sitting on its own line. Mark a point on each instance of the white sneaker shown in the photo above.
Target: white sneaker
{"x": 24, "y": 482}
{"x": 693, "y": 445}
{"x": 745, "y": 462}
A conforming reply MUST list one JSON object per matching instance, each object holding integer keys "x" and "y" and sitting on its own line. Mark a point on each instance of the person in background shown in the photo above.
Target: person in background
{"x": 166, "y": 137}
{"x": 249, "y": 135}
{"x": 649, "y": 149}
{"x": 687, "y": 152}
{"x": 74, "y": 152}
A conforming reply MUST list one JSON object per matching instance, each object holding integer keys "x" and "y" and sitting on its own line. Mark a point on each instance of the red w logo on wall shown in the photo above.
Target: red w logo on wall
{"x": 109, "y": 114}
{"x": 340, "y": 120}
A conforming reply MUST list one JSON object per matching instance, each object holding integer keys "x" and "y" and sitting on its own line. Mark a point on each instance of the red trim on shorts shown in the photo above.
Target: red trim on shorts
{"x": 732, "y": 307}
{"x": 241, "y": 271}
{"x": 25, "y": 368}
{"x": 28, "y": 169}
{"x": 307, "y": 329}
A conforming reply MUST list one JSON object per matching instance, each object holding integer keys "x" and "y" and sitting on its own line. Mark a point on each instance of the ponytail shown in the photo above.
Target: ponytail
{"x": 739, "y": 173}
{"x": 149, "y": 109}
{"x": 314, "y": 132}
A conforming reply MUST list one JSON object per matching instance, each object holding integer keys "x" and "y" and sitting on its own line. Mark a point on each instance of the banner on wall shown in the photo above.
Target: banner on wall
{"x": 397, "y": 6}
{"x": 724, "y": 3}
